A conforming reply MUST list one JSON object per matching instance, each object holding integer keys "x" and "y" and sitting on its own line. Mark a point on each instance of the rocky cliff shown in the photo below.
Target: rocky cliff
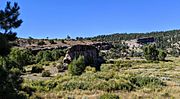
{"x": 90, "y": 53}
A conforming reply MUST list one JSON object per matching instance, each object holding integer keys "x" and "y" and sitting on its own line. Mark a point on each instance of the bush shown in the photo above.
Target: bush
{"x": 90, "y": 69}
{"x": 113, "y": 85}
{"x": 21, "y": 57}
{"x": 49, "y": 55}
{"x": 109, "y": 96}
{"x": 52, "y": 42}
{"x": 46, "y": 73}
{"x": 77, "y": 66}
{"x": 104, "y": 75}
{"x": 121, "y": 64}
{"x": 162, "y": 55}
{"x": 151, "y": 53}
{"x": 37, "y": 69}
{"x": 56, "y": 54}
{"x": 41, "y": 43}
{"x": 146, "y": 81}
{"x": 44, "y": 56}
{"x": 60, "y": 65}
{"x": 39, "y": 56}
{"x": 74, "y": 84}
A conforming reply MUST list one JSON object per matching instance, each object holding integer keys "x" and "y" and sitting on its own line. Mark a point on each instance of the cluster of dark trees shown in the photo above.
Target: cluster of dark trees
{"x": 163, "y": 39}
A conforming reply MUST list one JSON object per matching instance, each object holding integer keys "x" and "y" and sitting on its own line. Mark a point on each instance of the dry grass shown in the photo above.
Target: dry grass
{"x": 168, "y": 72}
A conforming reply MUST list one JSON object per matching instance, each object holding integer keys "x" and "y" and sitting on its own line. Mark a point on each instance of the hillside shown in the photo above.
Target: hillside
{"x": 116, "y": 66}
{"x": 164, "y": 39}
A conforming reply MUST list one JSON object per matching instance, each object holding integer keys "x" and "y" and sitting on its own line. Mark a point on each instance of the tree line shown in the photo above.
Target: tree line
{"x": 164, "y": 39}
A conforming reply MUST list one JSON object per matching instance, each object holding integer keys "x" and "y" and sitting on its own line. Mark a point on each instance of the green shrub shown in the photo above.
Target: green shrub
{"x": 162, "y": 55}
{"x": 121, "y": 64}
{"x": 52, "y": 42}
{"x": 60, "y": 66}
{"x": 113, "y": 85}
{"x": 43, "y": 56}
{"x": 39, "y": 56}
{"x": 126, "y": 86}
{"x": 46, "y": 73}
{"x": 37, "y": 69}
{"x": 57, "y": 54}
{"x": 21, "y": 57}
{"x": 151, "y": 53}
{"x": 49, "y": 55}
{"x": 15, "y": 71}
{"x": 90, "y": 69}
{"x": 41, "y": 43}
{"x": 104, "y": 85}
{"x": 146, "y": 81}
{"x": 74, "y": 84}
{"x": 77, "y": 66}
{"x": 109, "y": 96}
{"x": 104, "y": 75}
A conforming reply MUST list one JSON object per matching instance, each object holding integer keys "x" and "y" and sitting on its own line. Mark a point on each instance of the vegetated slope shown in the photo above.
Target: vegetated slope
{"x": 126, "y": 78}
{"x": 164, "y": 39}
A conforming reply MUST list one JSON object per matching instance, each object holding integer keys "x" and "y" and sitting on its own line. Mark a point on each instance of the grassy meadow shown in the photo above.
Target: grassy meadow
{"x": 125, "y": 79}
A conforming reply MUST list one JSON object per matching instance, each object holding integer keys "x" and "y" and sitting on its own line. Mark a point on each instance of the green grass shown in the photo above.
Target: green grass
{"x": 126, "y": 78}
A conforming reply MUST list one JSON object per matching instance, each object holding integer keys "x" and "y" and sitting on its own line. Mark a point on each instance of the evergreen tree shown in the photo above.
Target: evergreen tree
{"x": 10, "y": 80}
{"x": 151, "y": 53}
{"x": 77, "y": 66}
{"x": 9, "y": 20}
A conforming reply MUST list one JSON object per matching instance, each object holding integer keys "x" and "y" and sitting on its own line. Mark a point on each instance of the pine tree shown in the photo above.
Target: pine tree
{"x": 151, "y": 53}
{"x": 9, "y": 21}
{"x": 10, "y": 80}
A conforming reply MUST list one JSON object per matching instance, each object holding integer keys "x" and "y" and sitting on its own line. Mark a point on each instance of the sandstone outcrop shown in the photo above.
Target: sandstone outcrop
{"x": 90, "y": 53}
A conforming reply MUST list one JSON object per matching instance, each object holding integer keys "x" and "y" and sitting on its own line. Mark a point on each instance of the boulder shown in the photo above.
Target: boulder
{"x": 90, "y": 53}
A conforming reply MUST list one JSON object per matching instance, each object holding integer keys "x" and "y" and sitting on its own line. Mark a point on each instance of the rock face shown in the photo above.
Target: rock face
{"x": 145, "y": 40}
{"x": 90, "y": 53}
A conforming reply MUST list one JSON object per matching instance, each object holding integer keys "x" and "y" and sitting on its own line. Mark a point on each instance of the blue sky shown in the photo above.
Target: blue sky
{"x": 84, "y": 18}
